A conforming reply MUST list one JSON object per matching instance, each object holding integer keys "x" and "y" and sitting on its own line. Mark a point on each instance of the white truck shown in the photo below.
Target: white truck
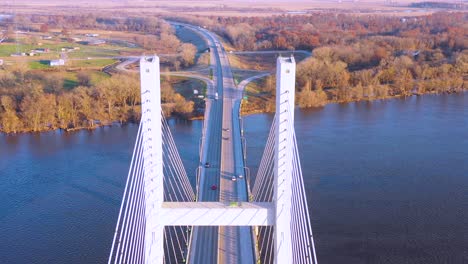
{"x": 216, "y": 96}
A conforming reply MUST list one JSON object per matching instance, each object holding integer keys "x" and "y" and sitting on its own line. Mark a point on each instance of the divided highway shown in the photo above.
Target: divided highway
{"x": 222, "y": 150}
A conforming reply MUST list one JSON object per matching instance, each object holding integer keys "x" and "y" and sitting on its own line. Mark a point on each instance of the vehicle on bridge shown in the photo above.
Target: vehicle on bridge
{"x": 214, "y": 187}
{"x": 207, "y": 165}
{"x": 234, "y": 178}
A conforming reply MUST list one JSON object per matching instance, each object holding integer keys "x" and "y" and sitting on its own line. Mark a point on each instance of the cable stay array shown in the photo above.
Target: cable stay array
{"x": 263, "y": 191}
{"x": 129, "y": 239}
{"x": 263, "y": 186}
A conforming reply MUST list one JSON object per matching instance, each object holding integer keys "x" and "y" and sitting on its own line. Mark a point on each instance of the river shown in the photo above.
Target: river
{"x": 387, "y": 182}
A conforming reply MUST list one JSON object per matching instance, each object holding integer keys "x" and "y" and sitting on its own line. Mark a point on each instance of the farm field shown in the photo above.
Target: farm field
{"x": 234, "y": 8}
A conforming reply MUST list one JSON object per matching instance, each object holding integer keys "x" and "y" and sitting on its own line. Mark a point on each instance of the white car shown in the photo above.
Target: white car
{"x": 240, "y": 176}
{"x": 233, "y": 178}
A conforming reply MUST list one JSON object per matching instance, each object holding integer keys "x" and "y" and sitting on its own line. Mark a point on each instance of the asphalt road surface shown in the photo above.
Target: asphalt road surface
{"x": 222, "y": 149}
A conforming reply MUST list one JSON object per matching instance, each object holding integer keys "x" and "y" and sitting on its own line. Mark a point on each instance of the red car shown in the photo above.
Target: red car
{"x": 214, "y": 187}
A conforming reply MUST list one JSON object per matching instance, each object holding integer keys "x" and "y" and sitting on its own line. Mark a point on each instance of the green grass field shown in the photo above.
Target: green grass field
{"x": 84, "y": 51}
{"x": 71, "y": 80}
{"x": 91, "y": 63}
{"x": 39, "y": 65}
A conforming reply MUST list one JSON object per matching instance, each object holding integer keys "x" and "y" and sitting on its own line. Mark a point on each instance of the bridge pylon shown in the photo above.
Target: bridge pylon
{"x": 152, "y": 158}
{"x": 284, "y": 153}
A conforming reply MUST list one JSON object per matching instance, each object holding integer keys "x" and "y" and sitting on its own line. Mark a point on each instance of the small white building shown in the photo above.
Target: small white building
{"x": 1, "y": 62}
{"x": 59, "y": 62}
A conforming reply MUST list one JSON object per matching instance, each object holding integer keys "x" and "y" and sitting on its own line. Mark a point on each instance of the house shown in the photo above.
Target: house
{"x": 41, "y": 50}
{"x": 58, "y": 62}
{"x": 69, "y": 49}
{"x": 1, "y": 62}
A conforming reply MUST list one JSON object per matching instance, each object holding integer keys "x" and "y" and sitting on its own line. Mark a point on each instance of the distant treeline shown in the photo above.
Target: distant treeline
{"x": 31, "y": 101}
{"x": 356, "y": 57}
{"x": 150, "y": 24}
{"x": 444, "y": 31}
{"x": 455, "y": 5}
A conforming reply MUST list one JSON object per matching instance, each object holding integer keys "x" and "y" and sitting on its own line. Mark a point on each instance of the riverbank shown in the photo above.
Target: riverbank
{"x": 96, "y": 126}
{"x": 266, "y": 104}
{"x": 201, "y": 117}
{"x": 32, "y": 101}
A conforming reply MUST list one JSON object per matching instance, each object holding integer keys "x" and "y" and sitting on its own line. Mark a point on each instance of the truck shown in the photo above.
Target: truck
{"x": 216, "y": 96}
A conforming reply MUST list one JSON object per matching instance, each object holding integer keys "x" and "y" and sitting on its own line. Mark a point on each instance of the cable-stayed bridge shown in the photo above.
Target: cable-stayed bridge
{"x": 228, "y": 216}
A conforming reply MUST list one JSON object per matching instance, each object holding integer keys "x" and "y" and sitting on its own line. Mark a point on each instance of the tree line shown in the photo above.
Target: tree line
{"x": 443, "y": 30}
{"x": 321, "y": 80}
{"x": 324, "y": 78}
{"x": 32, "y": 101}
{"x": 356, "y": 57}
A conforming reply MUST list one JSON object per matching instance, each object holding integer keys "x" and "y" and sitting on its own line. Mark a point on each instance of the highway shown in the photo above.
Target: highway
{"x": 222, "y": 148}
{"x": 235, "y": 243}
{"x": 204, "y": 244}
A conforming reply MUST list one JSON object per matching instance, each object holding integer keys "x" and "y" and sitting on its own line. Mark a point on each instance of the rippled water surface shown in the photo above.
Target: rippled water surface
{"x": 387, "y": 182}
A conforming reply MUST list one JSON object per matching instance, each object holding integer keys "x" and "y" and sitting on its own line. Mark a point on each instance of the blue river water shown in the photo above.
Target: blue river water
{"x": 387, "y": 182}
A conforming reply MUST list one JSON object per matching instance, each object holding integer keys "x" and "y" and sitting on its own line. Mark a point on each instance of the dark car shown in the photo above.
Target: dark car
{"x": 214, "y": 187}
{"x": 207, "y": 165}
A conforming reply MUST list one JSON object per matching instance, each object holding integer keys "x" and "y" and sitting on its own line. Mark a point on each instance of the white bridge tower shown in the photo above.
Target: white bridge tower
{"x": 152, "y": 158}
{"x": 284, "y": 153}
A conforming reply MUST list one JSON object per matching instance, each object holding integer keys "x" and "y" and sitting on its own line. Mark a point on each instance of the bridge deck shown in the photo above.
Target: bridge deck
{"x": 223, "y": 146}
